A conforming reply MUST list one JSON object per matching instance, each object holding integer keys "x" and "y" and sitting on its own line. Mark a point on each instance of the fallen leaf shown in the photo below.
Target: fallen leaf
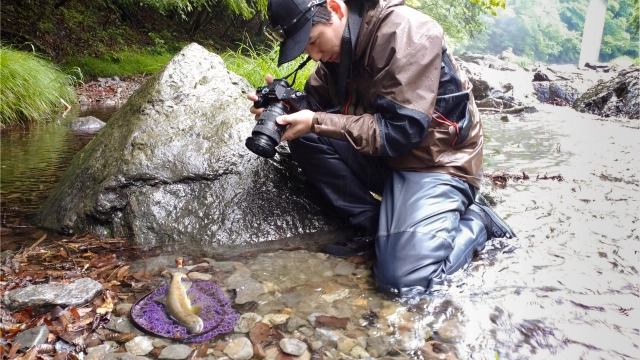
{"x": 283, "y": 356}
{"x": 75, "y": 313}
{"x": 118, "y": 337}
{"x": 14, "y": 349}
{"x": 259, "y": 332}
{"x": 277, "y": 334}
{"x": 332, "y": 321}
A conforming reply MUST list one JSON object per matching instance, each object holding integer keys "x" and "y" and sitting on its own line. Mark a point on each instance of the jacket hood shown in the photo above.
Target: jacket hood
{"x": 370, "y": 23}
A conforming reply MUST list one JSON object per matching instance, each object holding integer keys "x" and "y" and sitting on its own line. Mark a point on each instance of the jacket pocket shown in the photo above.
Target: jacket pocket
{"x": 453, "y": 110}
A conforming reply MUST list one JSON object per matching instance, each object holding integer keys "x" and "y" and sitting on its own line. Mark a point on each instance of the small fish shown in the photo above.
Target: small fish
{"x": 178, "y": 305}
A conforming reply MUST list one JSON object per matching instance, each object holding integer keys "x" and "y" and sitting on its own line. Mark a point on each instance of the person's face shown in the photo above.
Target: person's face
{"x": 325, "y": 39}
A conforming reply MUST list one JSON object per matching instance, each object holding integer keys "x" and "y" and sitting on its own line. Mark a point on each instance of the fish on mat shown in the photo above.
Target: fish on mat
{"x": 179, "y": 306}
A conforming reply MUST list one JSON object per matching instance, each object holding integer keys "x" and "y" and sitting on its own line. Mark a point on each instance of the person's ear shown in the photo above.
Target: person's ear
{"x": 336, "y": 7}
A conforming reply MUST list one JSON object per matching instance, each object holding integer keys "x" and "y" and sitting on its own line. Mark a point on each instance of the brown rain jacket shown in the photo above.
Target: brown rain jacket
{"x": 407, "y": 100}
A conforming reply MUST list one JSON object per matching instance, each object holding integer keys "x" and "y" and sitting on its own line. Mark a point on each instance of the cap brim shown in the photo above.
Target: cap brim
{"x": 292, "y": 47}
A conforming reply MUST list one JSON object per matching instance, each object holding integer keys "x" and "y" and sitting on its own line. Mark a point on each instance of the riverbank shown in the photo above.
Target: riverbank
{"x": 565, "y": 288}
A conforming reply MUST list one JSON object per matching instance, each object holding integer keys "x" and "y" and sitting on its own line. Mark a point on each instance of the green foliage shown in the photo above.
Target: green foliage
{"x": 551, "y": 31}
{"x": 127, "y": 63}
{"x": 254, "y": 64}
{"x": 32, "y": 88}
{"x": 460, "y": 19}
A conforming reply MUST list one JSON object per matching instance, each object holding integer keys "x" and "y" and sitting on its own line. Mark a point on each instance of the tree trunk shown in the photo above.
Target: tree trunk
{"x": 592, "y": 33}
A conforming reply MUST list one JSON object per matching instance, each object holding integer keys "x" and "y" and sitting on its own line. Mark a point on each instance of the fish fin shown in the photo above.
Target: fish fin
{"x": 186, "y": 285}
{"x": 196, "y": 309}
{"x": 162, "y": 300}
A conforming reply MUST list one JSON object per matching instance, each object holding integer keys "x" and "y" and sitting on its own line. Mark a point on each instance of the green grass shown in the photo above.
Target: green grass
{"x": 31, "y": 88}
{"x": 123, "y": 64}
{"x": 254, "y": 64}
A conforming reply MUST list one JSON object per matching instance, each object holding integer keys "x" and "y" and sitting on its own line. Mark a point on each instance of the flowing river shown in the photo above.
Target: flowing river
{"x": 567, "y": 288}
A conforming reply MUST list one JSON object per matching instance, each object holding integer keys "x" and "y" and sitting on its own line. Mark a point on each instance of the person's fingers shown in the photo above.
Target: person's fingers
{"x": 269, "y": 79}
{"x": 252, "y": 97}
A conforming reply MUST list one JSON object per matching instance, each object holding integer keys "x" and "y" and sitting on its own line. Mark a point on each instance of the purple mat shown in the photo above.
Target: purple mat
{"x": 217, "y": 314}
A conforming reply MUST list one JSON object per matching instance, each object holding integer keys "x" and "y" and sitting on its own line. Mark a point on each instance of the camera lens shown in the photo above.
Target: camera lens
{"x": 266, "y": 135}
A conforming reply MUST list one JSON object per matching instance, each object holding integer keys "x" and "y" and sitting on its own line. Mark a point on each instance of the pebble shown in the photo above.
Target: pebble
{"x": 98, "y": 352}
{"x": 275, "y": 319}
{"x": 140, "y": 345}
{"x": 199, "y": 276}
{"x": 175, "y": 352}
{"x": 34, "y": 336}
{"x": 246, "y": 322}
{"x": 239, "y": 349}
{"x": 248, "y": 291}
{"x": 293, "y": 346}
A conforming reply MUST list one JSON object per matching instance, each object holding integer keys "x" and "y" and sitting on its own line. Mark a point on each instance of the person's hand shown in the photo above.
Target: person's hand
{"x": 298, "y": 124}
{"x": 254, "y": 97}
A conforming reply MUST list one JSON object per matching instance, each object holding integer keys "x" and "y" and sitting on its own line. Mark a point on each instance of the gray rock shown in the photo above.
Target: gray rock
{"x": 378, "y": 346}
{"x": 123, "y": 309}
{"x": 34, "y": 336}
{"x": 154, "y": 265}
{"x": 239, "y": 277}
{"x": 140, "y": 345}
{"x": 120, "y": 356}
{"x": 249, "y": 291}
{"x": 294, "y": 323}
{"x": 122, "y": 325}
{"x": 293, "y": 346}
{"x": 98, "y": 352}
{"x": 170, "y": 169}
{"x": 246, "y": 322}
{"x": 175, "y": 352}
{"x": 239, "y": 349}
{"x": 613, "y": 98}
{"x": 43, "y": 298}
{"x": 86, "y": 124}
{"x": 344, "y": 268}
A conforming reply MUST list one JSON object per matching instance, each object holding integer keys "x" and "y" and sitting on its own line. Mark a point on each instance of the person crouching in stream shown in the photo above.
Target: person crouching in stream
{"x": 399, "y": 121}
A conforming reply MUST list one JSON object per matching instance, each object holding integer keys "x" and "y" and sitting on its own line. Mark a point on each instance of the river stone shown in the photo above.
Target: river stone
{"x": 121, "y": 356}
{"x": 86, "y": 124}
{"x": 98, "y": 352}
{"x": 246, "y": 322}
{"x": 176, "y": 352}
{"x": 239, "y": 349}
{"x": 34, "y": 336}
{"x": 239, "y": 277}
{"x": 140, "y": 345}
{"x": 379, "y": 346}
{"x": 292, "y": 346}
{"x": 43, "y": 298}
{"x": 170, "y": 169}
{"x": 616, "y": 97}
{"x": 122, "y": 325}
{"x": 249, "y": 291}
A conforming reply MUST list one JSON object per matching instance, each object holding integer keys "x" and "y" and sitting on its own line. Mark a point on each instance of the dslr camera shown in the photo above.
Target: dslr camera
{"x": 277, "y": 99}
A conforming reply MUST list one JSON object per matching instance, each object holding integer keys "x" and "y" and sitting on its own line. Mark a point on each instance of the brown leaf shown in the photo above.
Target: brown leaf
{"x": 14, "y": 349}
{"x": 201, "y": 352}
{"x": 359, "y": 259}
{"x": 75, "y": 313}
{"x": 71, "y": 336}
{"x": 122, "y": 273}
{"x": 332, "y": 321}
{"x": 259, "y": 333}
{"x": 277, "y": 334}
{"x": 56, "y": 312}
{"x": 117, "y": 337}
{"x": 29, "y": 355}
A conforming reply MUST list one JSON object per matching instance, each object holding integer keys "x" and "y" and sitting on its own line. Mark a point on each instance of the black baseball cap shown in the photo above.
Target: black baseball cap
{"x": 291, "y": 20}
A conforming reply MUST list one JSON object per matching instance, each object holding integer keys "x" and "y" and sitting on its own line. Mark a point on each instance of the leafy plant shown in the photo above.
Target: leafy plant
{"x": 32, "y": 88}
{"x": 254, "y": 64}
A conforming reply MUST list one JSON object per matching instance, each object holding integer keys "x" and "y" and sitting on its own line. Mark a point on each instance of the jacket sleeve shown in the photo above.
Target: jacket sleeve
{"x": 404, "y": 58}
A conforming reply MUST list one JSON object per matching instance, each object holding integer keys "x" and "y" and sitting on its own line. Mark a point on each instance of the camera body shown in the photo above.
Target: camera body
{"x": 277, "y": 99}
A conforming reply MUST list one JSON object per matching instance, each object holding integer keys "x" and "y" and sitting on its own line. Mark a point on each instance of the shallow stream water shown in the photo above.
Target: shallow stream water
{"x": 568, "y": 287}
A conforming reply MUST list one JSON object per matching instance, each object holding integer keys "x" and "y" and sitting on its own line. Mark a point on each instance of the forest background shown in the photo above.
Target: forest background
{"x": 105, "y": 38}
{"x": 69, "y": 31}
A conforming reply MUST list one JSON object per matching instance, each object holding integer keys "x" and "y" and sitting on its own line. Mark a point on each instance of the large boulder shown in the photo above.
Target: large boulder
{"x": 618, "y": 97}
{"x": 170, "y": 167}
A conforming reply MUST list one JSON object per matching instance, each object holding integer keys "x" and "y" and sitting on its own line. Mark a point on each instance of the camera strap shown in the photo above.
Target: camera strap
{"x": 295, "y": 72}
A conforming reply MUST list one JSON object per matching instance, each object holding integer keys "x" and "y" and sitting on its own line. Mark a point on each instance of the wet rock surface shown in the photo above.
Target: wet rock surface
{"x": 43, "y": 298}
{"x": 170, "y": 167}
{"x": 619, "y": 97}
